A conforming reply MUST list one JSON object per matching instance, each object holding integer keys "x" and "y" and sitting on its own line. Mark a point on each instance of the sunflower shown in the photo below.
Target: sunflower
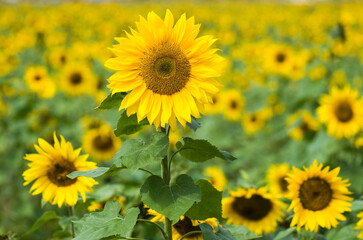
{"x": 279, "y": 59}
{"x": 37, "y": 79}
{"x": 101, "y": 143}
{"x": 252, "y": 122}
{"x": 232, "y": 104}
{"x": 94, "y": 206}
{"x": 256, "y": 209}
{"x": 319, "y": 197}
{"x": 342, "y": 112}
{"x": 49, "y": 168}
{"x": 78, "y": 79}
{"x": 276, "y": 178}
{"x": 214, "y": 107}
{"x": 217, "y": 177}
{"x": 308, "y": 125}
{"x": 359, "y": 225}
{"x": 169, "y": 71}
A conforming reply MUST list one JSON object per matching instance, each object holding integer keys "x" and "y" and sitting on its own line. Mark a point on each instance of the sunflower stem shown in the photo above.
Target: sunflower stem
{"x": 71, "y": 214}
{"x": 190, "y": 233}
{"x": 156, "y": 225}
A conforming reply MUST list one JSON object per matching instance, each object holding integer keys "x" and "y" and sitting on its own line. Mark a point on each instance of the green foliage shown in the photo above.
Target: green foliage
{"x": 127, "y": 125}
{"x": 357, "y": 205}
{"x": 46, "y": 217}
{"x": 199, "y": 150}
{"x": 106, "y": 223}
{"x": 136, "y": 153}
{"x": 234, "y": 233}
{"x": 210, "y": 205}
{"x": 112, "y": 100}
{"x": 241, "y": 232}
{"x": 90, "y": 173}
{"x": 285, "y": 233}
{"x": 173, "y": 201}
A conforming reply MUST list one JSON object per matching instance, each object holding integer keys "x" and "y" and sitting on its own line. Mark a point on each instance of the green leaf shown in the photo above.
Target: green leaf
{"x": 46, "y": 217}
{"x": 90, "y": 173}
{"x": 194, "y": 124}
{"x": 171, "y": 201}
{"x": 285, "y": 233}
{"x": 199, "y": 150}
{"x": 241, "y": 232}
{"x": 128, "y": 125}
{"x": 112, "y": 101}
{"x": 347, "y": 233}
{"x": 357, "y": 205}
{"x": 136, "y": 153}
{"x": 219, "y": 234}
{"x": 210, "y": 205}
{"x": 106, "y": 223}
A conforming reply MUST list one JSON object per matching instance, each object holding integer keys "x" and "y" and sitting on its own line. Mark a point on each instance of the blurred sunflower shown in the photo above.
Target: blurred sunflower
{"x": 214, "y": 107}
{"x": 216, "y": 177}
{"x": 94, "y": 206}
{"x": 319, "y": 197}
{"x": 342, "y": 112}
{"x": 58, "y": 57}
{"x": 279, "y": 59}
{"x": 359, "y": 225}
{"x": 255, "y": 209}
{"x": 78, "y": 79}
{"x": 232, "y": 104}
{"x": 101, "y": 143}
{"x": 252, "y": 122}
{"x": 276, "y": 179}
{"x": 169, "y": 71}
{"x": 307, "y": 126}
{"x": 38, "y": 81}
{"x": 49, "y": 168}
{"x": 89, "y": 122}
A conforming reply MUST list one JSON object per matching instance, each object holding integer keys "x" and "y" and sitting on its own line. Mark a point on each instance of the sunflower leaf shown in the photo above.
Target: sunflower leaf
{"x": 210, "y": 205}
{"x": 106, "y": 223}
{"x": 128, "y": 124}
{"x": 173, "y": 201}
{"x": 200, "y": 150}
{"x": 285, "y": 233}
{"x": 136, "y": 153}
{"x": 112, "y": 101}
{"x": 241, "y": 232}
{"x": 194, "y": 124}
{"x": 89, "y": 173}
{"x": 219, "y": 234}
{"x": 46, "y": 217}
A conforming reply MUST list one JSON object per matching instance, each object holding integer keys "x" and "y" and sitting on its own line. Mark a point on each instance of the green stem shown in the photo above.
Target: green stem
{"x": 71, "y": 214}
{"x": 145, "y": 170}
{"x": 156, "y": 225}
{"x": 189, "y": 234}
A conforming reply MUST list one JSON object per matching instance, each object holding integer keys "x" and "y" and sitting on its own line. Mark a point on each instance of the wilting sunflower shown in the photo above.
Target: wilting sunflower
{"x": 255, "y": 209}
{"x": 232, "y": 104}
{"x": 184, "y": 225}
{"x": 276, "y": 178}
{"x": 359, "y": 225}
{"x": 342, "y": 112}
{"x": 319, "y": 197}
{"x": 169, "y": 71}
{"x": 94, "y": 206}
{"x": 101, "y": 143}
{"x": 49, "y": 168}
{"x": 216, "y": 177}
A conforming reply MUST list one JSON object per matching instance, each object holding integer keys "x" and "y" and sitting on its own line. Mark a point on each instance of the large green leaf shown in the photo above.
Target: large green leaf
{"x": 112, "y": 101}
{"x": 96, "y": 172}
{"x": 128, "y": 125}
{"x": 172, "y": 201}
{"x": 241, "y": 232}
{"x": 210, "y": 205}
{"x": 136, "y": 153}
{"x": 106, "y": 223}
{"x": 218, "y": 234}
{"x": 285, "y": 233}
{"x": 200, "y": 150}
{"x": 46, "y": 217}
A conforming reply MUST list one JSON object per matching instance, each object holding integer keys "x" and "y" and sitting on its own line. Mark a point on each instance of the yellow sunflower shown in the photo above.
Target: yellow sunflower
{"x": 359, "y": 225}
{"x": 276, "y": 178}
{"x": 279, "y": 59}
{"x": 307, "y": 126}
{"x": 342, "y": 112}
{"x": 38, "y": 81}
{"x": 255, "y": 209}
{"x": 94, "y": 206}
{"x": 319, "y": 197}
{"x": 169, "y": 71}
{"x": 232, "y": 104}
{"x": 216, "y": 177}
{"x": 252, "y": 122}
{"x": 214, "y": 107}
{"x": 49, "y": 168}
{"x": 101, "y": 143}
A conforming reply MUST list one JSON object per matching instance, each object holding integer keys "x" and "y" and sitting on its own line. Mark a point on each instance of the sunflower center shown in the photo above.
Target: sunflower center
{"x": 62, "y": 59}
{"x": 344, "y": 112}
{"x": 185, "y": 226}
{"x": 165, "y": 69}
{"x": 103, "y": 143}
{"x": 57, "y": 173}
{"x": 280, "y": 57}
{"x": 315, "y": 194}
{"x": 76, "y": 78}
{"x": 253, "y": 118}
{"x": 254, "y": 208}
{"x": 37, "y": 77}
{"x": 283, "y": 184}
{"x": 233, "y": 104}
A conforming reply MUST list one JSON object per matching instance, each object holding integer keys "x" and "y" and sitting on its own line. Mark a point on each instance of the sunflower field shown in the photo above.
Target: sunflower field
{"x": 214, "y": 120}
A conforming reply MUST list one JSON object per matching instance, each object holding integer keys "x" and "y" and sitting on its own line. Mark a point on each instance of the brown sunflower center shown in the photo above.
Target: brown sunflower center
{"x": 57, "y": 173}
{"x": 233, "y": 104}
{"x": 185, "y": 226}
{"x": 253, "y": 118}
{"x": 280, "y": 57}
{"x": 254, "y": 208}
{"x": 37, "y": 77}
{"x": 103, "y": 143}
{"x": 62, "y": 59}
{"x": 283, "y": 184}
{"x": 165, "y": 69}
{"x": 76, "y": 78}
{"x": 315, "y": 194}
{"x": 344, "y": 112}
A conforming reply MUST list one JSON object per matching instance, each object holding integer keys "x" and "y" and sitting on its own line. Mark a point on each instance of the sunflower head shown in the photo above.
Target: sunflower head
{"x": 167, "y": 69}
{"x": 276, "y": 178}
{"x": 78, "y": 79}
{"x": 319, "y": 197}
{"x": 216, "y": 177}
{"x": 49, "y": 169}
